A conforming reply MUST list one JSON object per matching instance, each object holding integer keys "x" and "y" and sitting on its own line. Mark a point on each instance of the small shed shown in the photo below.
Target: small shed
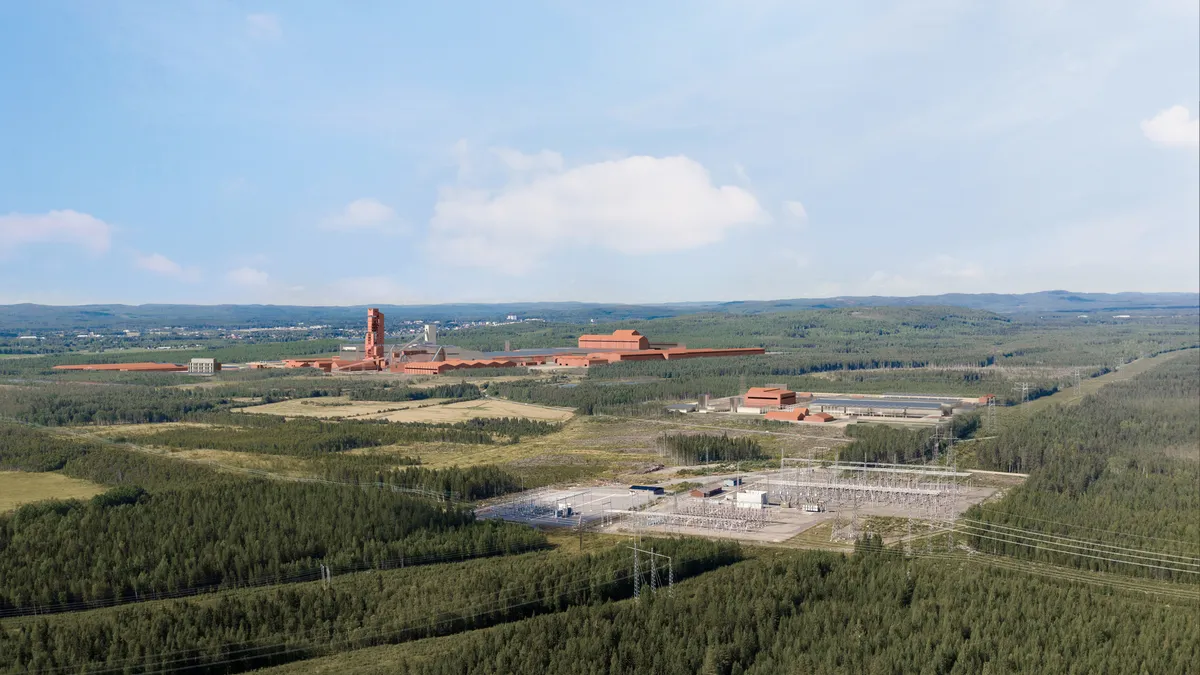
{"x": 705, "y": 493}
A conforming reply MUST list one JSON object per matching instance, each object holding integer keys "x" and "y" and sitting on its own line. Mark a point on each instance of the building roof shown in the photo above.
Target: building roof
{"x": 766, "y": 392}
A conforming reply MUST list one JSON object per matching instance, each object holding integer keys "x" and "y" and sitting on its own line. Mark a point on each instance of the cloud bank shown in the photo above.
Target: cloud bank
{"x": 636, "y": 205}
{"x": 56, "y": 227}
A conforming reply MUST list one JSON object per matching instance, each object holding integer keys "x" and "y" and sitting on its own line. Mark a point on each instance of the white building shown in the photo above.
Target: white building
{"x": 751, "y": 499}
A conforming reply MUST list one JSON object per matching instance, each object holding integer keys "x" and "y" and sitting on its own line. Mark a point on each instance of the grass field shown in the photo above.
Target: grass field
{"x": 19, "y": 487}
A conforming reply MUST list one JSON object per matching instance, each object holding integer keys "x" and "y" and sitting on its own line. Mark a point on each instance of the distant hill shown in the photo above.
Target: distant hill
{"x": 1002, "y": 303}
{"x": 33, "y": 318}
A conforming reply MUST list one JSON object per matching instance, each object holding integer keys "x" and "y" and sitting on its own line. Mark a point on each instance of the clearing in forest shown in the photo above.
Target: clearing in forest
{"x": 465, "y": 410}
{"x": 336, "y": 406}
{"x": 20, "y": 487}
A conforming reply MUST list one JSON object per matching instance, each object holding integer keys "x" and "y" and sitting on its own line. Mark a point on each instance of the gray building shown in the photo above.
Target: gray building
{"x": 204, "y": 366}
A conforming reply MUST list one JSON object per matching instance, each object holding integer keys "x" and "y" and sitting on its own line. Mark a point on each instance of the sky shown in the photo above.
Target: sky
{"x": 405, "y": 153}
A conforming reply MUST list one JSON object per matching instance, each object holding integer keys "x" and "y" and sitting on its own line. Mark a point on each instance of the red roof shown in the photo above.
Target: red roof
{"x": 764, "y": 392}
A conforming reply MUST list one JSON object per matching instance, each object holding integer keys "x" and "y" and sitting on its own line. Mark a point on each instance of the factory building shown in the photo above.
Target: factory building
{"x": 621, "y": 339}
{"x": 768, "y": 397}
{"x": 685, "y": 353}
{"x": 434, "y": 359}
{"x": 374, "y": 343}
{"x": 793, "y": 415}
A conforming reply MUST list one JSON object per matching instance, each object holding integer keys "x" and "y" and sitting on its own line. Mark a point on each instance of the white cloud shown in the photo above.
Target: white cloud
{"x": 161, "y": 264}
{"x": 635, "y": 205}
{"x": 796, "y": 210}
{"x": 248, "y": 276}
{"x": 264, "y": 26}
{"x": 546, "y": 160}
{"x": 54, "y": 227}
{"x": 1174, "y": 128}
{"x": 364, "y": 214}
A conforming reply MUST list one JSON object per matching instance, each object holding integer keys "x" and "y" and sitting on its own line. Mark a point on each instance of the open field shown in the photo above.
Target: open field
{"x": 19, "y": 487}
{"x": 427, "y": 410}
{"x": 336, "y": 406}
{"x": 465, "y": 410}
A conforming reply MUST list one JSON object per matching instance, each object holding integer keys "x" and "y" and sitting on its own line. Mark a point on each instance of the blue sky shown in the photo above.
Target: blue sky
{"x": 346, "y": 153}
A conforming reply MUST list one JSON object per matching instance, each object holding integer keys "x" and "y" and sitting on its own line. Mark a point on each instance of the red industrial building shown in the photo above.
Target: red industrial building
{"x": 819, "y": 417}
{"x": 630, "y": 340}
{"x": 374, "y": 344}
{"x": 621, "y": 345}
{"x": 793, "y": 415}
{"x": 767, "y": 397}
{"x": 439, "y": 367}
{"x": 684, "y": 353}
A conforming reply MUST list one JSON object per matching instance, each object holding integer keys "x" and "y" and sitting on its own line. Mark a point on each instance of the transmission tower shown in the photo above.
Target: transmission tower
{"x": 1023, "y": 387}
{"x": 655, "y": 582}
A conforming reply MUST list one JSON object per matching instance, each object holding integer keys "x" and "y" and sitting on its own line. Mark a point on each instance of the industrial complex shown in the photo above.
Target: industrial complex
{"x": 425, "y": 356}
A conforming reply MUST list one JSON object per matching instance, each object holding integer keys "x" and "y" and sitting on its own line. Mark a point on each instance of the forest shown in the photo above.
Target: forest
{"x": 248, "y": 629}
{"x": 1123, "y": 460}
{"x": 819, "y": 612}
{"x": 218, "y": 564}
{"x": 886, "y": 336}
{"x": 225, "y": 534}
{"x": 707, "y": 448}
{"x": 308, "y": 437}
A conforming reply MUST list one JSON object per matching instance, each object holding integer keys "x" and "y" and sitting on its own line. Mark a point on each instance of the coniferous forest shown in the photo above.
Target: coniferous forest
{"x": 215, "y": 540}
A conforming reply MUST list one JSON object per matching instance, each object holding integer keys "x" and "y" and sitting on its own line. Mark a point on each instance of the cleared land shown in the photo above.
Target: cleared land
{"x": 465, "y": 410}
{"x": 336, "y": 406}
{"x": 427, "y": 410}
{"x": 19, "y": 487}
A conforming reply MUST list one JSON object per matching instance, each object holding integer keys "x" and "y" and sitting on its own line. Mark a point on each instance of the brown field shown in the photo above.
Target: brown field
{"x": 19, "y": 487}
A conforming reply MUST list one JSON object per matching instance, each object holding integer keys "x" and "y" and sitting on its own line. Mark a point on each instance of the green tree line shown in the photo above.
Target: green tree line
{"x": 249, "y": 629}
{"x": 706, "y": 448}
{"x": 224, "y": 534}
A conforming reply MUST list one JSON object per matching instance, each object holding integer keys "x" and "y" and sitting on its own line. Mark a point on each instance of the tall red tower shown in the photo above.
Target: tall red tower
{"x": 374, "y": 346}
